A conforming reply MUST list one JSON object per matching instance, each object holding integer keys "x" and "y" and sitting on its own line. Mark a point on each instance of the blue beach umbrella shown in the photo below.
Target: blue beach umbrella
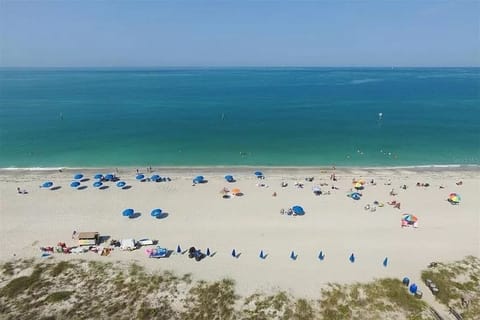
{"x": 198, "y": 179}
{"x": 128, "y": 212}
{"x": 156, "y": 213}
{"x": 78, "y": 176}
{"x": 98, "y": 176}
{"x": 258, "y": 173}
{"x": 155, "y": 177}
{"x": 229, "y": 178}
{"x": 356, "y": 196}
{"x": 121, "y": 184}
{"x": 47, "y": 184}
{"x": 75, "y": 184}
{"x": 97, "y": 184}
{"x": 298, "y": 210}
{"x": 140, "y": 177}
{"x": 109, "y": 176}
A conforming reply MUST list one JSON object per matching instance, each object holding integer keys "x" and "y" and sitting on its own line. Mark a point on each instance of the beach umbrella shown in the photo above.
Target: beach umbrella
{"x": 121, "y": 184}
{"x": 155, "y": 177}
{"x": 298, "y": 210}
{"x": 355, "y": 196}
{"x": 413, "y": 288}
{"x": 98, "y": 176}
{"x": 409, "y": 218}
{"x": 140, "y": 177}
{"x": 258, "y": 173}
{"x": 78, "y": 176}
{"x": 128, "y": 212}
{"x": 97, "y": 184}
{"x": 235, "y": 191}
{"x": 229, "y": 178}
{"x": 358, "y": 186}
{"x": 47, "y": 184}
{"x": 316, "y": 190}
{"x": 454, "y": 198}
{"x": 75, "y": 184}
{"x": 198, "y": 179}
{"x": 156, "y": 213}
{"x": 109, "y": 176}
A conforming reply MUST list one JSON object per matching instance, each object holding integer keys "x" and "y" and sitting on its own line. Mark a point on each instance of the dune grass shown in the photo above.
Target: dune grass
{"x": 64, "y": 290}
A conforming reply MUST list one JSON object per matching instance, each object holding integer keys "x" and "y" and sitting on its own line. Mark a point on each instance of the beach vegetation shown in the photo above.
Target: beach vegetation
{"x": 458, "y": 285}
{"x": 59, "y": 296}
{"x": 125, "y": 291}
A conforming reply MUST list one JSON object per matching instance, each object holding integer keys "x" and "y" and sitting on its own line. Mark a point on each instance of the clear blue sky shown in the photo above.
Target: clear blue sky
{"x": 240, "y": 33}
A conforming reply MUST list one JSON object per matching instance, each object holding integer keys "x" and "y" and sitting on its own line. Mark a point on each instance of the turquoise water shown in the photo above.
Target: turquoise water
{"x": 258, "y": 116}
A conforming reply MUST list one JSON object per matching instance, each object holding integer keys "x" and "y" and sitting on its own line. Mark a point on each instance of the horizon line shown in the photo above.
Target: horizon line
{"x": 234, "y": 67}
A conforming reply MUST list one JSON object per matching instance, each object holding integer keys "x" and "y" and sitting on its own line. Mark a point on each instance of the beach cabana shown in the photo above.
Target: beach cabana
{"x": 75, "y": 184}
{"x": 155, "y": 178}
{"x": 128, "y": 212}
{"x": 121, "y": 184}
{"x": 47, "y": 184}
{"x": 229, "y": 178}
{"x": 98, "y": 176}
{"x": 78, "y": 176}
{"x": 156, "y": 213}
{"x": 454, "y": 198}
{"x": 298, "y": 210}
{"x": 140, "y": 177}
{"x": 97, "y": 184}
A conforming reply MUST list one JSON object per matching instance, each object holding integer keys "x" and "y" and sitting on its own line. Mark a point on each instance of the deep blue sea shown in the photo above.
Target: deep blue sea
{"x": 239, "y": 116}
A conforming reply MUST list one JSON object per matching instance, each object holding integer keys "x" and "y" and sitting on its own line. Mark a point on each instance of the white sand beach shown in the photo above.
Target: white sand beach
{"x": 199, "y": 216}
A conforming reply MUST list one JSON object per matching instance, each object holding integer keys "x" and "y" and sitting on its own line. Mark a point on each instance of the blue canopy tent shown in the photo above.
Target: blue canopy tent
{"x": 229, "y": 178}
{"x": 298, "y": 210}
{"x": 156, "y": 213}
{"x": 78, "y": 176}
{"x": 97, "y": 184}
{"x": 98, "y": 176}
{"x": 199, "y": 179}
{"x": 140, "y": 177}
{"x": 155, "y": 178}
{"x": 75, "y": 184}
{"x": 121, "y": 184}
{"x": 109, "y": 177}
{"x": 128, "y": 212}
{"x": 47, "y": 184}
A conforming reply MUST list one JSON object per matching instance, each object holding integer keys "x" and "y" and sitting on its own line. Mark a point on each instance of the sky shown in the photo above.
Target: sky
{"x": 68, "y": 33}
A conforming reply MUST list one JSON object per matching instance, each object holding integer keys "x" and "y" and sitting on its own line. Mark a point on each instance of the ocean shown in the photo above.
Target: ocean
{"x": 354, "y": 117}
